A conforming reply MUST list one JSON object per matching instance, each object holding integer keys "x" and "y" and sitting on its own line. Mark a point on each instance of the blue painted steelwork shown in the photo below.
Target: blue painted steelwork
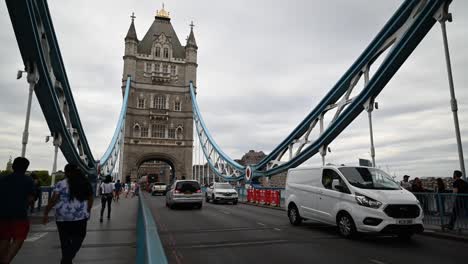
{"x": 109, "y": 159}
{"x": 400, "y": 36}
{"x": 39, "y": 49}
{"x": 41, "y": 56}
{"x": 149, "y": 246}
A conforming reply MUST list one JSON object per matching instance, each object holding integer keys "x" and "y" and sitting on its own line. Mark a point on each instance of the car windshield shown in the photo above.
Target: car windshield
{"x": 369, "y": 178}
{"x": 223, "y": 186}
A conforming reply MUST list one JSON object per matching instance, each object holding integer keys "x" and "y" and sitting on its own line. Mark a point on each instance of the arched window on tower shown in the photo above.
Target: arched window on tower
{"x": 136, "y": 130}
{"x": 160, "y": 102}
{"x": 166, "y": 53}
{"x": 157, "y": 52}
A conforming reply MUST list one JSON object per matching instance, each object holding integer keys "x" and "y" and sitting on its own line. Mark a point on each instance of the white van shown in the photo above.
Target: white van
{"x": 356, "y": 199}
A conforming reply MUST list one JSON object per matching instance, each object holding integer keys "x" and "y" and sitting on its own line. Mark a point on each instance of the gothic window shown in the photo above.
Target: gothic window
{"x": 148, "y": 67}
{"x": 172, "y": 133}
{"x": 136, "y": 131}
{"x": 166, "y": 53}
{"x": 158, "y": 52}
{"x": 165, "y": 68}
{"x": 156, "y": 67}
{"x": 173, "y": 69}
{"x": 158, "y": 131}
{"x": 144, "y": 132}
{"x": 177, "y": 106}
{"x": 160, "y": 102}
{"x": 141, "y": 103}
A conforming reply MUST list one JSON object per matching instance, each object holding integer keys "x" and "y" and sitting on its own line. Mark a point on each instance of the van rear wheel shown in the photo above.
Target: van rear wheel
{"x": 293, "y": 215}
{"x": 346, "y": 226}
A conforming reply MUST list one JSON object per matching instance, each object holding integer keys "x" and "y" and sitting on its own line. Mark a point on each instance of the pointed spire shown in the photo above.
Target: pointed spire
{"x": 131, "y": 34}
{"x": 191, "y": 38}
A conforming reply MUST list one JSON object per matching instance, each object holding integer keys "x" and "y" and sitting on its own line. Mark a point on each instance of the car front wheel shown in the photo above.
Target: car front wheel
{"x": 293, "y": 215}
{"x": 346, "y": 226}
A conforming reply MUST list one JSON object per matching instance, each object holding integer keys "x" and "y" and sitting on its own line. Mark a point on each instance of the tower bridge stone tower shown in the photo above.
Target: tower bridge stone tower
{"x": 159, "y": 123}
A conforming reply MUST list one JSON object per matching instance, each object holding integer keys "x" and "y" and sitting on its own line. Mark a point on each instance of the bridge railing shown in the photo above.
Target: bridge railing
{"x": 439, "y": 208}
{"x": 149, "y": 246}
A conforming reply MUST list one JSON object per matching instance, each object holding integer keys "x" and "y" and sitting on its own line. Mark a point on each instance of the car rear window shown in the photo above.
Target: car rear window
{"x": 160, "y": 183}
{"x": 188, "y": 186}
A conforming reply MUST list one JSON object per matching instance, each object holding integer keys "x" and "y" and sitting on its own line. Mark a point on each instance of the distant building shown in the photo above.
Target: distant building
{"x": 430, "y": 183}
{"x": 254, "y": 157}
{"x": 9, "y": 165}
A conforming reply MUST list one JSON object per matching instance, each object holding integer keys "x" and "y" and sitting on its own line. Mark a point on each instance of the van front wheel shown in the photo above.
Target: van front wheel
{"x": 293, "y": 215}
{"x": 346, "y": 225}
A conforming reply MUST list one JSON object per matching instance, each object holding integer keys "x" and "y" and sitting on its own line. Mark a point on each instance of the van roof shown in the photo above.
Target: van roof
{"x": 327, "y": 166}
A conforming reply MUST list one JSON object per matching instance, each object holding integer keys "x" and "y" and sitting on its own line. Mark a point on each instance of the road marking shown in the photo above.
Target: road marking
{"x": 268, "y": 242}
{"x": 35, "y": 236}
{"x": 262, "y": 224}
{"x": 277, "y": 229}
{"x": 225, "y": 212}
{"x": 376, "y": 261}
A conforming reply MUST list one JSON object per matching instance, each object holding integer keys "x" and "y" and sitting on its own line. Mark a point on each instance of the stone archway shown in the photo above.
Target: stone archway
{"x": 156, "y": 164}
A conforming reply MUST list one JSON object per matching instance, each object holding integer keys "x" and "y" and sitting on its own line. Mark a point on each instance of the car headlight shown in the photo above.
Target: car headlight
{"x": 367, "y": 201}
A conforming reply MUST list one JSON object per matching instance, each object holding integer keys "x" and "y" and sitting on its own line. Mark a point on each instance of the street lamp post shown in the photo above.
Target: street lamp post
{"x": 57, "y": 142}
{"x": 370, "y": 106}
{"x": 32, "y": 79}
{"x": 443, "y": 17}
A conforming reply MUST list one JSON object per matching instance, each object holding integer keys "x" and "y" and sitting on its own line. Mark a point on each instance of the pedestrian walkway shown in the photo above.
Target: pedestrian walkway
{"x": 113, "y": 241}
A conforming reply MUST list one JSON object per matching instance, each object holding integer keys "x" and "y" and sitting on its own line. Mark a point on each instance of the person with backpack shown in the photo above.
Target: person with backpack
{"x": 72, "y": 198}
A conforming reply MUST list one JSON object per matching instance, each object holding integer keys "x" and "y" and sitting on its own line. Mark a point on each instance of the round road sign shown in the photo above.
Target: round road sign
{"x": 248, "y": 173}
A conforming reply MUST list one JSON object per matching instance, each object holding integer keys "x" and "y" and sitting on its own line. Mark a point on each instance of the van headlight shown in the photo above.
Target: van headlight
{"x": 367, "y": 201}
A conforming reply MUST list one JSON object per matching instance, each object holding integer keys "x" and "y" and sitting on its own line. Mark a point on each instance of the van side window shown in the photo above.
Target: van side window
{"x": 330, "y": 179}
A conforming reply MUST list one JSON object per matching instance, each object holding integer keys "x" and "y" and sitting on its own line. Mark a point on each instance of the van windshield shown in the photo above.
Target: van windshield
{"x": 369, "y": 178}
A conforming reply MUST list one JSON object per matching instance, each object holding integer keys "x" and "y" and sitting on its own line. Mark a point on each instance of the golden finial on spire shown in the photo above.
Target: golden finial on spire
{"x": 162, "y": 13}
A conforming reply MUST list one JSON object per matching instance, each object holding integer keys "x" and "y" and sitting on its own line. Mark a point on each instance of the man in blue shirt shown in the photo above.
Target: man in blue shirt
{"x": 17, "y": 191}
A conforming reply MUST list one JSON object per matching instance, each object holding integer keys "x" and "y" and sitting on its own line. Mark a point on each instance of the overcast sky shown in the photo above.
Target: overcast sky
{"x": 263, "y": 65}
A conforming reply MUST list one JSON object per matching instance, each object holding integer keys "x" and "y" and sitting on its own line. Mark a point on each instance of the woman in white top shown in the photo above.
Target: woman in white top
{"x": 107, "y": 190}
{"x": 73, "y": 199}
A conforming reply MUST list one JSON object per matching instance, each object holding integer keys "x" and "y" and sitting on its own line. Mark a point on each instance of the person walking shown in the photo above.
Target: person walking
{"x": 107, "y": 190}
{"x": 117, "y": 190}
{"x": 17, "y": 192}
{"x": 72, "y": 198}
{"x": 460, "y": 188}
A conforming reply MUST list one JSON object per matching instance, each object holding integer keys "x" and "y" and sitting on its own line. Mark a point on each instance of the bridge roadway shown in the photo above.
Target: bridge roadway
{"x": 249, "y": 234}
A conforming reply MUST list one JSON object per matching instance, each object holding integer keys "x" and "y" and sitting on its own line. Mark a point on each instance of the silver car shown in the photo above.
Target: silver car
{"x": 184, "y": 192}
